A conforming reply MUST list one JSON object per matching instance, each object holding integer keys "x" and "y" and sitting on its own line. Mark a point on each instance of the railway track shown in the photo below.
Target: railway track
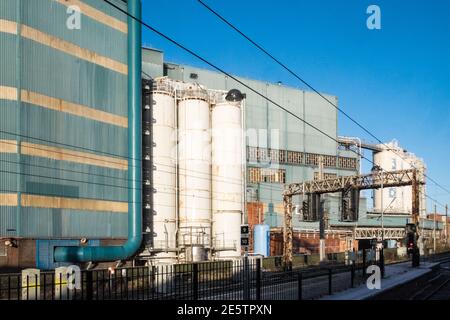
{"x": 432, "y": 286}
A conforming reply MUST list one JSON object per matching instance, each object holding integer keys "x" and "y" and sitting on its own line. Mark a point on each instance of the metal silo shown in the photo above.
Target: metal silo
{"x": 227, "y": 177}
{"x": 164, "y": 175}
{"x": 397, "y": 199}
{"x": 194, "y": 160}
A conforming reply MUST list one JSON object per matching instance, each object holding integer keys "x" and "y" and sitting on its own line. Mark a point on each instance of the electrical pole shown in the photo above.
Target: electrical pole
{"x": 321, "y": 218}
{"x": 446, "y": 224}
{"x": 382, "y": 230}
{"x": 434, "y": 230}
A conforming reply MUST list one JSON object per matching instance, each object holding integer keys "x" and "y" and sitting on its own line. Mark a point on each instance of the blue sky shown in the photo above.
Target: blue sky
{"x": 395, "y": 81}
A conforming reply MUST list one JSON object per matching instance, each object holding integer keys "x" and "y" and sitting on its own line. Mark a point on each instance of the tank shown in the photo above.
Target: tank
{"x": 196, "y": 253}
{"x": 397, "y": 199}
{"x": 194, "y": 165}
{"x": 227, "y": 178}
{"x": 261, "y": 239}
{"x": 164, "y": 177}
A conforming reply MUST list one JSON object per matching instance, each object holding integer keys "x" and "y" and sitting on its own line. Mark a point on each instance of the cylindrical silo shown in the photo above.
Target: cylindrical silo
{"x": 164, "y": 177}
{"x": 227, "y": 178}
{"x": 194, "y": 166}
{"x": 397, "y": 199}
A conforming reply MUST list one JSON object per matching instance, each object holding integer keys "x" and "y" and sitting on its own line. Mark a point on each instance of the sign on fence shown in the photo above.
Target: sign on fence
{"x": 31, "y": 288}
{"x": 66, "y": 280}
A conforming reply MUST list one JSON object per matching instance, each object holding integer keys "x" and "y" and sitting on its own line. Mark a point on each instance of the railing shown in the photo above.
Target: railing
{"x": 220, "y": 280}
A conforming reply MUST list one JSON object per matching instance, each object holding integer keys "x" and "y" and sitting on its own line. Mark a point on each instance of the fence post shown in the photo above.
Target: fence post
{"x": 330, "y": 278}
{"x": 300, "y": 286}
{"x": 195, "y": 280}
{"x": 352, "y": 271}
{"x": 246, "y": 279}
{"x": 89, "y": 285}
{"x": 364, "y": 262}
{"x": 258, "y": 279}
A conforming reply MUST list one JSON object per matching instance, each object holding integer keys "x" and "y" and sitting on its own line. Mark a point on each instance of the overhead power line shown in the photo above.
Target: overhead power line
{"x": 227, "y": 74}
{"x": 284, "y": 66}
{"x": 223, "y": 71}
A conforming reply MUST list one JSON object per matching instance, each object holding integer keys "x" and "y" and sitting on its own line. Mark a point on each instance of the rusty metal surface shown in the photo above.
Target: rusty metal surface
{"x": 386, "y": 179}
{"x": 374, "y": 180}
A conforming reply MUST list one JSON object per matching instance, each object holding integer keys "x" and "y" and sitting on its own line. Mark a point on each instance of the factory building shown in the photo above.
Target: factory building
{"x": 64, "y": 146}
{"x": 64, "y": 128}
{"x": 279, "y": 149}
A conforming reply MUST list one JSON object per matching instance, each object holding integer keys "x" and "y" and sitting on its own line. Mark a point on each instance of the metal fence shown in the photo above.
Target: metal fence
{"x": 221, "y": 280}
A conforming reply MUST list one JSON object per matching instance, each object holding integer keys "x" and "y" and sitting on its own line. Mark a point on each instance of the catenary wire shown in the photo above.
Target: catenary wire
{"x": 284, "y": 66}
{"x": 227, "y": 74}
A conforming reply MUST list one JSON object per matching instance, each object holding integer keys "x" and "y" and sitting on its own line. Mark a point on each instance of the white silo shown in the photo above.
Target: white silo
{"x": 397, "y": 199}
{"x": 227, "y": 177}
{"x": 194, "y": 161}
{"x": 164, "y": 176}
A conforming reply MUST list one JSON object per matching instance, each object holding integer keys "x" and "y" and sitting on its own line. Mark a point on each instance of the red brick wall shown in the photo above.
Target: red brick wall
{"x": 306, "y": 243}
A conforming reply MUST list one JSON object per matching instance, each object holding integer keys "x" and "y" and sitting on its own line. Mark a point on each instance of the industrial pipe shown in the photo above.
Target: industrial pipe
{"x": 129, "y": 248}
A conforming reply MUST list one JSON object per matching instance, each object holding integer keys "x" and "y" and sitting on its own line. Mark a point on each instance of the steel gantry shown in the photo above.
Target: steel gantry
{"x": 378, "y": 233}
{"x": 374, "y": 180}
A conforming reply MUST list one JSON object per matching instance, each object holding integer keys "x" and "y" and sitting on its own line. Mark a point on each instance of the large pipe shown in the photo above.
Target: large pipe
{"x": 129, "y": 248}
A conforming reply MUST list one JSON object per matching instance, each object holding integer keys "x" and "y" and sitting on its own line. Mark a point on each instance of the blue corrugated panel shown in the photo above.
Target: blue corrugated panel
{"x": 8, "y": 9}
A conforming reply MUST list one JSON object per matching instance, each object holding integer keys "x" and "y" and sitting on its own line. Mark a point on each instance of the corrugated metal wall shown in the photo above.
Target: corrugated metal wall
{"x": 69, "y": 85}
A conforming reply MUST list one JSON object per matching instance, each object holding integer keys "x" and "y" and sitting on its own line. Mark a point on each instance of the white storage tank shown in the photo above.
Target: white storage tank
{"x": 397, "y": 199}
{"x": 194, "y": 165}
{"x": 227, "y": 176}
{"x": 164, "y": 177}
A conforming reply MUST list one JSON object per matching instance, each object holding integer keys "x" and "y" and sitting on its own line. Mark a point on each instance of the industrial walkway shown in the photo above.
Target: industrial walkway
{"x": 395, "y": 275}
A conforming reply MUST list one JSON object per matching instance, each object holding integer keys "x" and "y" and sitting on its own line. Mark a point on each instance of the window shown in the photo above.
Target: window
{"x": 392, "y": 193}
{"x": 312, "y": 159}
{"x": 268, "y": 175}
{"x": 263, "y": 155}
{"x": 294, "y": 157}
{"x": 347, "y": 163}
{"x": 326, "y": 176}
{"x": 252, "y": 154}
{"x": 394, "y": 164}
{"x": 274, "y": 156}
{"x": 329, "y": 161}
{"x": 282, "y": 156}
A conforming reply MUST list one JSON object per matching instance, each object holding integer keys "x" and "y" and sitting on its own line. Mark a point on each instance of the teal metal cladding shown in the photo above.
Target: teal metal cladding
{"x": 8, "y": 9}
{"x": 27, "y": 64}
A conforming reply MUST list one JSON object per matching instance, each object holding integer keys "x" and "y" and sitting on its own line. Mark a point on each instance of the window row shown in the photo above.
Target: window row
{"x": 255, "y": 154}
{"x": 326, "y": 176}
{"x": 258, "y": 175}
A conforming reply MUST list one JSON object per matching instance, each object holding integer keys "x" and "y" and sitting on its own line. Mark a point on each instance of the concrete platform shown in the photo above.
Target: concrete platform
{"x": 395, "y": 275}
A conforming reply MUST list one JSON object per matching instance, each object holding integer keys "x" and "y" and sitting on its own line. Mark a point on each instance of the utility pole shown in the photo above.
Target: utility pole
{"x": 382, "y": 229}
{"x": 446, "y": 224}
{"x": 321, "y": 218}
{"x": 434, "y": 230}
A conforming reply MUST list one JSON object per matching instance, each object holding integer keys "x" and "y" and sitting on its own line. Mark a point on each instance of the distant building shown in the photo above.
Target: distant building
{"x": 397, "y": 200}
{"x": 63, "y": 122}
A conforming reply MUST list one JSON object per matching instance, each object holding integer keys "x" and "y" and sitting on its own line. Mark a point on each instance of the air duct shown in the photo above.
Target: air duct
{"x": 129, "y": 248}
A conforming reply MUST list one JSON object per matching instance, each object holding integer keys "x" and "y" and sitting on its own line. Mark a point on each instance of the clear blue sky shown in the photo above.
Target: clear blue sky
{"x": 395, "y": 81}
